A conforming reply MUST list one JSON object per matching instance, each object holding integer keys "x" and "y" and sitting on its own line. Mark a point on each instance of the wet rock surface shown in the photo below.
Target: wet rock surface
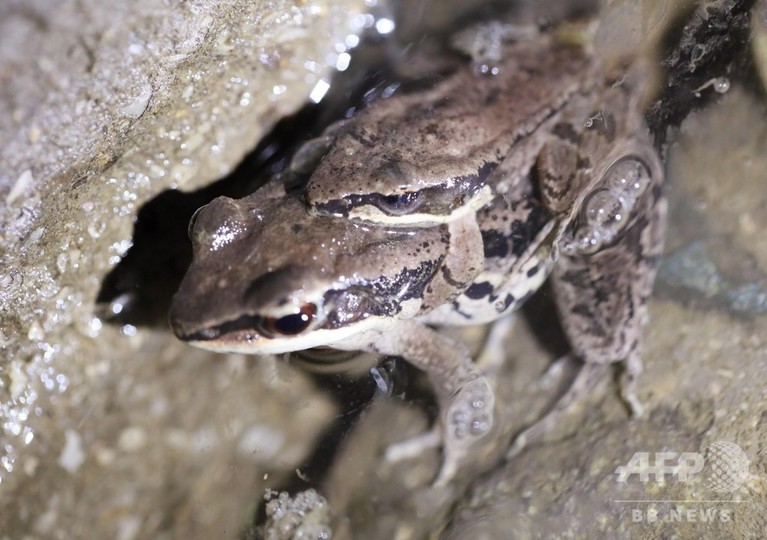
{"x": 119, "y": 431}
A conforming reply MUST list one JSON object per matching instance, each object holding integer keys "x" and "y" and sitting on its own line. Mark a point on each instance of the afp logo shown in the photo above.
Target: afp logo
{"x": 724, "y": 466}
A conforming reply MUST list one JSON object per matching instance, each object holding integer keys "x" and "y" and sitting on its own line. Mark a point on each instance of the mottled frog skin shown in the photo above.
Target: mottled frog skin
{"x": 447, "y": 206}
{"x": 426, "y": 156}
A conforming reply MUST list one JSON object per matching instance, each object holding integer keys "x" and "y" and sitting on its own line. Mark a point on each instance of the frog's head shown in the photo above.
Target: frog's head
{"x": 268, "y": 277}
{"x": 399, "y": 175}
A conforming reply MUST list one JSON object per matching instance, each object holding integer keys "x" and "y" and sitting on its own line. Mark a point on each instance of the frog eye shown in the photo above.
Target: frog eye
{"x": 607, "y": 210}
{"x": 289, "y": 325}
{"x": 193, "y": 220}
{"x": 401, "y": 203}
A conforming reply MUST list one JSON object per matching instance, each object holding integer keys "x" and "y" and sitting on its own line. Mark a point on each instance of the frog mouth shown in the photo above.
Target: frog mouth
{"x": 241, "y": 335}
{"x": 243, "y": 327}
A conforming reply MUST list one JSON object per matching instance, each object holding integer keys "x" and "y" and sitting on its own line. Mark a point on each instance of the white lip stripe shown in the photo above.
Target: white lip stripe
{"x": 316, "y": 338}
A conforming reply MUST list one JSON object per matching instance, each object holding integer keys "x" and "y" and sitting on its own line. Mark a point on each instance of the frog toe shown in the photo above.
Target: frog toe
{"x": 469, "y": 414}
{"x": 468, "y": 419}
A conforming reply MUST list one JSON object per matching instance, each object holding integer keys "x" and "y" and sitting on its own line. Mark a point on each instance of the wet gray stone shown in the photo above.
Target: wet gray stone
{"x": 121, "y": 431}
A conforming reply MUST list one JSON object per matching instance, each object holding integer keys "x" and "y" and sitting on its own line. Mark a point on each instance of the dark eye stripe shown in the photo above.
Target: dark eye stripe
{"x": 437, "y": 199}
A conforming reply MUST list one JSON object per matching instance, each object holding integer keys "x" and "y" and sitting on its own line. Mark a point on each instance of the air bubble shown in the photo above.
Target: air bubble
{"x": 94, "y": 327}
{"x": 721, "y": 85}
{"x": 628, "y": 179}
{"x": 606, "y": 210}
{"x": 129, "y": 330}
{"x": 351, "y": 41}
{"x": 479, "y": 427}
{"x": 585, "y": 242}
{"x": 95, "y": 229}
{"x": 603, "y": 208}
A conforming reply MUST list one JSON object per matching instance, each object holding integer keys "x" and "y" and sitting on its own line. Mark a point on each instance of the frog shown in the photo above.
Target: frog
{"x": 571, "y": 191}
{"x": 546, "y": 112}
{"x": 268, "y": 277}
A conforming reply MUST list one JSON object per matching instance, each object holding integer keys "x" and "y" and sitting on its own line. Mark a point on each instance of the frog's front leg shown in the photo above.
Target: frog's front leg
{"x": 465, "y": 396}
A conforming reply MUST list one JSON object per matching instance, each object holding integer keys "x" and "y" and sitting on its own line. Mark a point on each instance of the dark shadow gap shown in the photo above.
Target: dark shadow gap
{"x": 144, "y": 281}
{"x": 352, "y": 397}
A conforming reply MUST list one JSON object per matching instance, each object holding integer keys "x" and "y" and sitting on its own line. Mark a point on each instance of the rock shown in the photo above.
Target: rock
{"x": 121, "y": 431}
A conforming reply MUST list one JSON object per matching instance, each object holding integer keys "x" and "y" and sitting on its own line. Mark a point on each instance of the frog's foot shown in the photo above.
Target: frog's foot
{"x": 468, "y": 418}
{"x": 588, "y": 376}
